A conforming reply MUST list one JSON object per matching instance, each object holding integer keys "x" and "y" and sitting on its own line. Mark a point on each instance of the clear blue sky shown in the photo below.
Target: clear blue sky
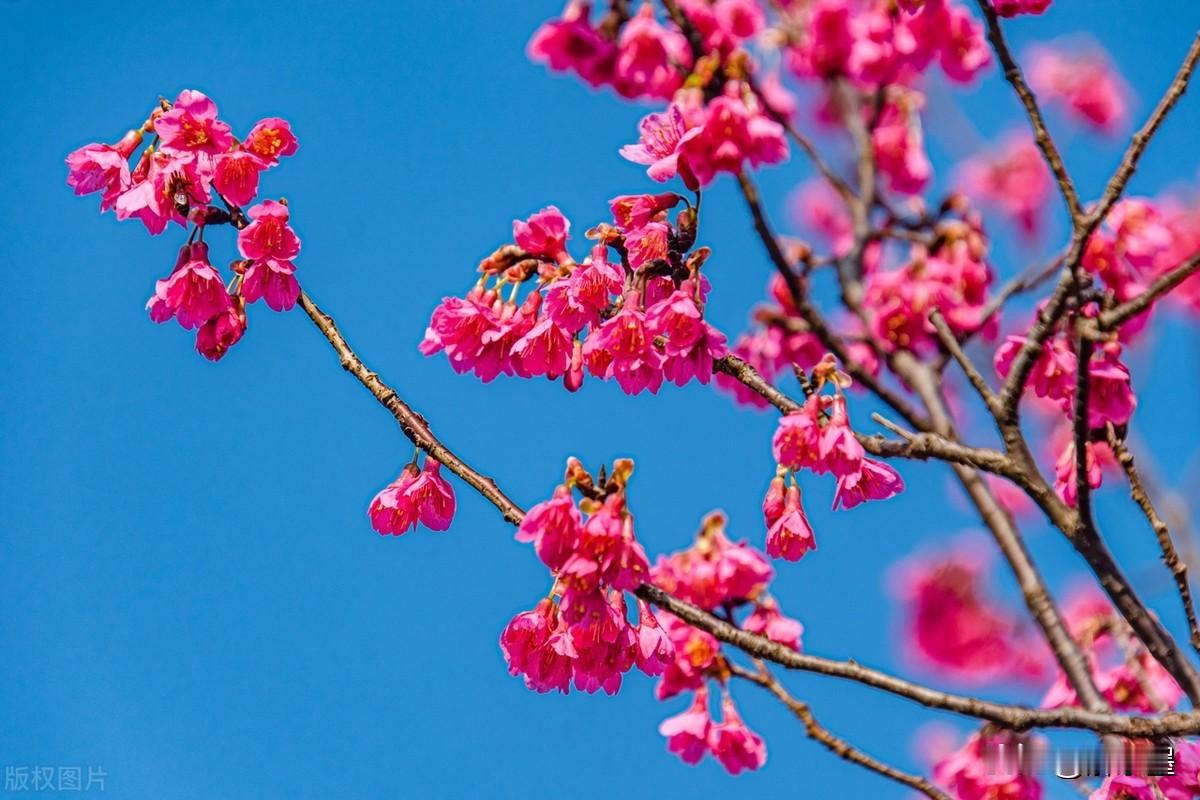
{"x": 190, "y": 595}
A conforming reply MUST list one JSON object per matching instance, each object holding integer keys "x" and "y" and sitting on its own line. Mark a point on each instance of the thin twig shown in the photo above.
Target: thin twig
{"x": 836, "y": 744}
{"x": 1170, "y": 556}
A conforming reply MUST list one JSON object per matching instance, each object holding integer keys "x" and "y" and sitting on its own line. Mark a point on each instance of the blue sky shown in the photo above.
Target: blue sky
{"x": 192, "y": 597}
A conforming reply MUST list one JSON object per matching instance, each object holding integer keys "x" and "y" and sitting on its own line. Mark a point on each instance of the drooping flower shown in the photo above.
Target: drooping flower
{"x": 691, "y": 343}
{"x": 736, "y": 746}
{"x": 687, "y": 733}
{"x": 554, "y": 527}
{"x": 221, "y": 332}
{"x": 767, "y": 620}
{"x": 797, "y": 439}
{"x": 623, "y": 348}
{"x": 1065, "y": 480}
{"x": 714, "y": 570}
{"x": 791, "y": 536}
{"x": 838, "y": 450}
{"x": 651, "y": 58}
{"x": 900, "y": 145}
{"x": 163, "y": 187}
{"x": 735, "y": 130}
{"x": 1013, "y": 178}
{"x": 193, "y": 293}
{"x": 1083, "y": 82}
{"x": 416, "y": 496}
{"x": 538, "y": 647}
{"x": 268, "y": 235}
{"x": 656, "y": 651}
{"x": 272, "y": 280}
{"x": 873, "y": 480}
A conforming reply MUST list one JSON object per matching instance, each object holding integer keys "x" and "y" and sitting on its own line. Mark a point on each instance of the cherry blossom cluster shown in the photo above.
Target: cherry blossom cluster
{"x": 729, "y": 579}
{"x": 418, "y": 495}
{"x": 1012, "y": 178}
{"x": 580, "y": 633}
{"x": 818, "y": 438}
{"x": 643, "y": 314}
{"x": 192, "y": 160}
{"x": 951, "y": 625}
{"x": 1081, "y": 81}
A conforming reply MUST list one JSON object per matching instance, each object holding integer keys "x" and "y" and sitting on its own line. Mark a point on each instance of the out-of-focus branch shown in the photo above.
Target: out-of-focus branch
{"x": 836, "y": 744}
{"x": 1114, "y": 317}
{"x": 1041, "y": 134}
{"x": 1170, "y": 556}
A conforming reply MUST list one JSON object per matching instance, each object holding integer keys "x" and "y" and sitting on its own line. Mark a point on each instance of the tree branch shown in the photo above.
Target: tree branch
{"x": 837, "y": 745}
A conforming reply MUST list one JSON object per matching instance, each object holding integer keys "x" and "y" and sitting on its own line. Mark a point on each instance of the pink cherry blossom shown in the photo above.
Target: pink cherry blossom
{"x": 900, "y": 145}
{"x": 162, "y": 187}
{"x": 221, "y": 332}
{"x": 651, "y": 58}
{"x": 797, "y": 439}
{"x": 571, "y": 43}
{"x": 691, "y": 343}
{"x": 837, "y": 449}
{"x": 193, "y": 293}
{"x": 734, "y": 130}
{"x": 768, "y": 621}
{"x": 235, "y": 175}
{"x": 102, "y": 168}
{"x": 647, "y": 244}
{"x": 268, "y": 235}
{"x": 791, "y": 536}
{"x": 734, "y": 745}
{"x": 873, "y": 480}
{"x": 192, "y": 126}
{"x": 964, "y": 51}
{"x": 1065, "y": 480}
{"x": 273, "y": 280}
{"x": 416, "y": 496}
{"x": 1082, "y": 81}
{"x": 270, "y": 139}
{"x": 656, "y": 651}
{"x": 1110, "y": 396}
{"x": 545, "y": 349}
{"x": 687, "y": 733}
{"x": 633, "y": 211}
{"x": 773, "y": 502}
{"x": 544, "y": 234}
{"x": 623, "y": 348}
{"x": 968, "y": 775}
{"x": 577, "y": 300}
{"x": 953, "y": 627}
{"x": 537, "y": 647}
{"x": 714, "y": 570}
{"x": 554, "y": 527}
{"x": 662, "y": 137}
{"x": 1013, "y": 178}
{"x": 695, "y": 654}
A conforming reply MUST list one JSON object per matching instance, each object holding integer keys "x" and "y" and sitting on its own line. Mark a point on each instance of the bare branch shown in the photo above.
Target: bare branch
{"x": 1170, "y": 556}
{"x": 836, "y": 744}
{"x": 950, "y": 343}
{"x": 1118, "y": 315}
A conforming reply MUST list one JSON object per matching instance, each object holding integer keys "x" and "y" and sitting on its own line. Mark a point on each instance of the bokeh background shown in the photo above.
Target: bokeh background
{"x": 190, "y": 595}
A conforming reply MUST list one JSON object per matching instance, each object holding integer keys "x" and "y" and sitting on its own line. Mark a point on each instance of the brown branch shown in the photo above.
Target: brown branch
{"x": 1141, "y": 139}
{"x": 411, "y": 423}
{"x": 952, "y": 346}
{"x": 1119, "y": 314}
{"x": 1081, "y": 432}
{"x": 1170, "y": 556}
{"x": 836, "y": 744}
{"x": 1041, "y": 134}
{"x": 1008, "y": 716}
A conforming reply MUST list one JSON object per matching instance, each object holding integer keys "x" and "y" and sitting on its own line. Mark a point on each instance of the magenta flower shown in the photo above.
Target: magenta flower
{"x": 102, "y": 168}
{"x": 736, "y": 746}
{"x": 269, "y": 235}
{"x": 554, "y": 527}
{"x": 163, "y": 187}
{"x": 714, "y": 570}
{"x": 457, "y": 327}
{"x": 647, "y": 244}
{"x": 633, "y": 211}
{"x": 624, "y": 349}
{"x": 733, "y": 133}
{"x": 1110, "y": 396}
{"x": 193, "y": 293}
{"x": 576, "y": 301}
{"x": 656, "y": 651}
{"x": 791, "y": 536}
{"x": 838, "y": 450}
{"x": 695, "y": 653}
{"x": 273, "y": 280}
{"x": 661, "y": 137}
{"x": 536, "y": 646}
{"x": 1013, "y": 178}
{"x": 874, "y": 480}
{"x": 570, "y": 43}
{"x": 966, "y": 774}
{"x": 900, "y": 146}
{"x": 393, "y": 511}
{"x": 652, "y": 59}
{"x": 544, "y": 234}
{"x": 416, "y": 496}
{"x": 768, "y": 621}
{"x": 191, "y": 126}
{"x": 235, "y": 175}
{"x": 1084, "y": 83}
{"x": 687, "y": 734}
{"x": 797, "y": 439}
{"x": 544, "y": 350}
{"x": 773, "y": 503}
{"x": 271, "y": 138}
{"x": 215, "y": 337}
